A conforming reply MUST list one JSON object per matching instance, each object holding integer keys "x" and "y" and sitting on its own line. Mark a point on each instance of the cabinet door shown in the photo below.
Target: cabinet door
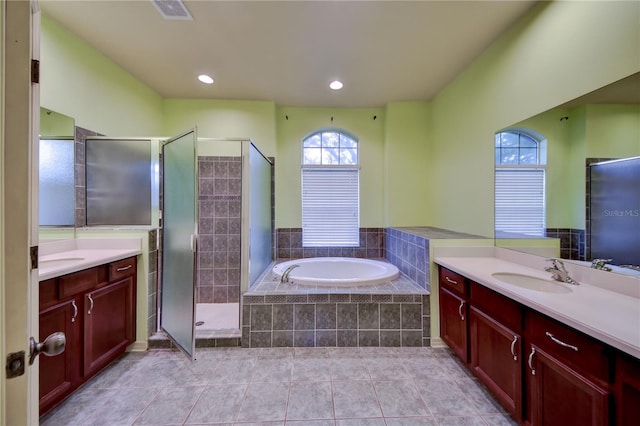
{"x": 60, "y": 374}
{"x": 561, "y": 396}
{"x": 109, "y": 323}
{"x": 627, "y": 391}
{"x": 453, "y": 323}
{"x": 496, "y": 359}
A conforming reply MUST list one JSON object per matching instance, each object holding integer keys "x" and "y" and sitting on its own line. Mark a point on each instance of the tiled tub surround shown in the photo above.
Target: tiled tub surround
{"x": 289, "y": 245}
{"x": 408, "y": 249}
{"x": 284, "y": 315}
{"x": 219, "y": 207}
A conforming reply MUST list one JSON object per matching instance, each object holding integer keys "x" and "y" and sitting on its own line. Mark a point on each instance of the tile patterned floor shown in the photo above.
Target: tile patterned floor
{"x": 283, "y": 386}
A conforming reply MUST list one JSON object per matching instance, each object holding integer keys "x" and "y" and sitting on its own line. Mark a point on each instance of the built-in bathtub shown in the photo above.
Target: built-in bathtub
{"x": 340, "y": 311}
{"x": 336, "y": 272}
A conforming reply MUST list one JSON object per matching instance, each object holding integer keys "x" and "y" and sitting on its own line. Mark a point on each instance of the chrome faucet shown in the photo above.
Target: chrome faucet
{"x": 559, "y": 272}
{"x": 634, "y": 267}
{"x": 600, "y": 264}
{"x": 285, "y": 274}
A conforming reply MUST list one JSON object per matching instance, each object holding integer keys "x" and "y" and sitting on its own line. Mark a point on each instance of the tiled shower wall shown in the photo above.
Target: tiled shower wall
{"x": 79, "y": 175}
{"x": 289, "y": 245}
{"x": 219, "y": 205}
{"x": 152, "y": 282}
{"x": 572, "y": 242}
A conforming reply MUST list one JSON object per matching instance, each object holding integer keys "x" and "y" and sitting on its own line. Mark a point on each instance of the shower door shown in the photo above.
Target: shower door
{"x": 179, "y": 238}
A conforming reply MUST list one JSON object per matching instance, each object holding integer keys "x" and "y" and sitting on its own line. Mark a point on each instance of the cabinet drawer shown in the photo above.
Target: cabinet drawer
{"x": 497, "y": 306}
{"x": 77, "y": 282}
{"x": 122, "y": 268}
{"x": 48, "y": 291}
{"x": 453, "y": 281}
{"x": 578, "y": 351}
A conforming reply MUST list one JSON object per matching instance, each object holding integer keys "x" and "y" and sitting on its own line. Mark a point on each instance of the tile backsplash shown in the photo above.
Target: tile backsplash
{"x": 289, "y": 245}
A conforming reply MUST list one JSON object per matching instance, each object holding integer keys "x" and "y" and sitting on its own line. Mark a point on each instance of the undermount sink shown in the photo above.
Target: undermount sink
{"x": 531, "y": 283}
{"x": 59, "y": 262}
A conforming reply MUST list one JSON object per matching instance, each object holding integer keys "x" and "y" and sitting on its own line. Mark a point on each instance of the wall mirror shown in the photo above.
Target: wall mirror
{"x": 56, "y": 176}
{"x": 543, "y": 175}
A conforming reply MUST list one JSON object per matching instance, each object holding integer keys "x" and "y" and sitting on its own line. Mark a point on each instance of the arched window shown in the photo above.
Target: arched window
{"x": 330, "y": 189}
{"x": 520, "y": 157}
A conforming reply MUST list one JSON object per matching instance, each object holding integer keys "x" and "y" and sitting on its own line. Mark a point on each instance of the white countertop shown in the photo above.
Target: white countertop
{"x": 609, "y": 316}
{"x": 59, "y": 258}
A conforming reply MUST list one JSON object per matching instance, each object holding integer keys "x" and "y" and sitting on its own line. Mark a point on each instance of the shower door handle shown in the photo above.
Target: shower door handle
{"x": 194, "y": 243}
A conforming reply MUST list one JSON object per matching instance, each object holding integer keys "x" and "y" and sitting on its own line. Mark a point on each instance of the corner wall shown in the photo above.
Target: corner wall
{"x": 78, "y": 81}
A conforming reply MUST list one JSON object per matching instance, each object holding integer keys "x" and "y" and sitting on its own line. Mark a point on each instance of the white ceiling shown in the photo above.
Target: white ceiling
{"x": 289, "y": 51}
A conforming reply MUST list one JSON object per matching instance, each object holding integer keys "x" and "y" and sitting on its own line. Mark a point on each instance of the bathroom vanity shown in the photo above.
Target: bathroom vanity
{"x": 90, "y": 295}
{"x": 565, "y": 355}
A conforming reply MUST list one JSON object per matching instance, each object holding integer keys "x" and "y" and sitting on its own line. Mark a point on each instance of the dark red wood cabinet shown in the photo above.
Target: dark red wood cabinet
{"x": 453, "y": 313}
{"x": 561, "y": 396}
{"x": 496, "y": 359}
{"x": 540, "y": 370}
{"x": 108, "y": 324}
{"x": 495, "y": 341}
{"x": 627, "y": 391}
{"x": 95, "y": 308}
{"x": 60, "y": 373}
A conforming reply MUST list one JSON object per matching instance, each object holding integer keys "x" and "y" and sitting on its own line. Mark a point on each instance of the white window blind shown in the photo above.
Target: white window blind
{"x": 330, "y": 207}
{"x": 519, "y": 201}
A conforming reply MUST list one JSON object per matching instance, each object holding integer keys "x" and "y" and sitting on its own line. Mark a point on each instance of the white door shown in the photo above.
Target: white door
{"x": 18, "y": 208}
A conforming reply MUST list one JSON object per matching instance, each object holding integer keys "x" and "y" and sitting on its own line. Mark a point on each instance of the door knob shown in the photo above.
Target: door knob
{"x": 53, "y": 345}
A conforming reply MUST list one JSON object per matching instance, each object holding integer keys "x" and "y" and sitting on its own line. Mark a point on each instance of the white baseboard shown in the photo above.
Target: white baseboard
{"x": 138, "y": 346}
{"x": 437, "y": 342}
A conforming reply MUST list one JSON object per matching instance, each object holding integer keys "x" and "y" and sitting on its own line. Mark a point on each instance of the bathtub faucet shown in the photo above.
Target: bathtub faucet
{"x": 285, "y": 274}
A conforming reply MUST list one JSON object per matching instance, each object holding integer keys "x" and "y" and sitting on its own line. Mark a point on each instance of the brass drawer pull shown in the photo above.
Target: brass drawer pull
{"x": 449, "y": 280}
{"x": 560, "y": 342}
{"x": 124, "y": 268}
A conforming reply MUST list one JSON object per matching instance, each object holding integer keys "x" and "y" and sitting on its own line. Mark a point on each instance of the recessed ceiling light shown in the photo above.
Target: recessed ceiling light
{"x": 336, "y": 85}
{"x": 205, "y": 79}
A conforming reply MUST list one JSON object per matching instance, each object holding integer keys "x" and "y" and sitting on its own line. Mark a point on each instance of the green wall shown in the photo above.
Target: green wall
{"x": 559, "y": 51}
{"x": 302, "y": 121}
{"x": 612, "y": 131}
{"x": 407, "y": 164}
{"x": 79, "y": 82}
{"x": 253, "y": 120}
{"x": 423, "y": 163}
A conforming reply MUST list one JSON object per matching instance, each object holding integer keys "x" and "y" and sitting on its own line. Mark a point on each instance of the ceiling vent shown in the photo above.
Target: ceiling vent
{"x": 172, "y": 10}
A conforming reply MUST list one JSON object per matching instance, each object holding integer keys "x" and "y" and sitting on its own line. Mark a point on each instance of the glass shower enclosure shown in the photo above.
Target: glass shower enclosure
{"x": 229, "y": 185}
